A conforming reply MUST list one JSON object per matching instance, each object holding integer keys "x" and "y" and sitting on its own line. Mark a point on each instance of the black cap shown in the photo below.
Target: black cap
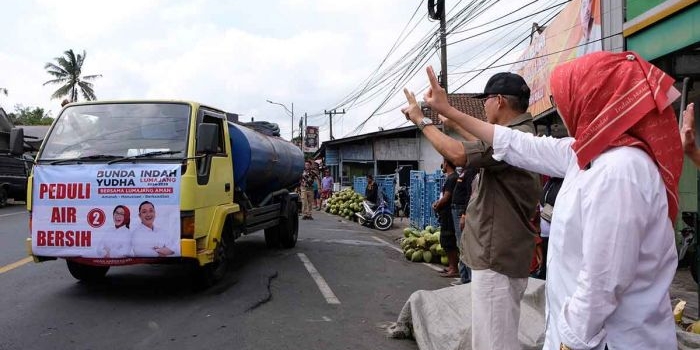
{"x": 506, "y": 84}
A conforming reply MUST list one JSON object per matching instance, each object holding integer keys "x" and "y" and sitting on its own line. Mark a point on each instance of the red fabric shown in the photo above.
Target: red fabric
{"x": 611, "y": 99}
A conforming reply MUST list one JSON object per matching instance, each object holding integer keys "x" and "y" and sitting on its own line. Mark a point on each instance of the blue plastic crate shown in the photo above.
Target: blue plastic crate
{"x": 359, "y": 184}
{"x": 417, "y": 194}
{"x": 386, "y": 185}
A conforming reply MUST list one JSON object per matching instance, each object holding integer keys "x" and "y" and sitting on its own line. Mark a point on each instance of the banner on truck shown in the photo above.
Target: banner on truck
{"x": 104, "y": 211}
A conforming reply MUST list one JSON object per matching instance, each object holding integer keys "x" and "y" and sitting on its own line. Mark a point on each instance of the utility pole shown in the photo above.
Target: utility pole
{"x": 330, "y": 114}
{"x": 303, "y": 123}
{"x": 436, "y": 11}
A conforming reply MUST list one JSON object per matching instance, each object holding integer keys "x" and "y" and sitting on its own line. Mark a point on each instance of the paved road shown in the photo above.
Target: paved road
{"x": 269, "y": 300}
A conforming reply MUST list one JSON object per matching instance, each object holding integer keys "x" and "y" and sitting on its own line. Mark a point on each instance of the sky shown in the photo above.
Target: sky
{"x": 235, "y": 55}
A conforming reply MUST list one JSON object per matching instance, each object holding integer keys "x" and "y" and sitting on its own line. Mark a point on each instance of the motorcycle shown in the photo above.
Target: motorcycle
{"x": 379, "y": 217}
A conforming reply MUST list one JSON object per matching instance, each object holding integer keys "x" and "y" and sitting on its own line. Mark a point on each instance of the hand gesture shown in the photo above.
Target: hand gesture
{"x": 412, "y": 111}
{"x": 436, "y": 96}
{"x": 448, "y": 123}
{"x": 688, "y": 130}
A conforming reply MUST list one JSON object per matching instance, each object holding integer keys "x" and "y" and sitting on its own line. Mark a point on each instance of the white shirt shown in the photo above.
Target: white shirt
{"x": 611, "y": 255}
{"x": 115, "y": 244}
{"x": 146, "y": 239}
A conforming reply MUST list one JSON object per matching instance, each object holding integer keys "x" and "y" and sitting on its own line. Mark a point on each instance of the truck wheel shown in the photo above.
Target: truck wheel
{"x": 289, "y": 227}
{"x": 86, "y": 273}
{"x": 3, "y": 197}
{"x": 215, "y": 271}
{"x": 383, "y": 222}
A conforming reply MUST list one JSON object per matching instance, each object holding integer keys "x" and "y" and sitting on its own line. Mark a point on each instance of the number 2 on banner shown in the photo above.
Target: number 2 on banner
{"x": 96, "y": 217}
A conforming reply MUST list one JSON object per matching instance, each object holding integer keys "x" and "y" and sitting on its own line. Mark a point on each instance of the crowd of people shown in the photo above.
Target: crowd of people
{"x": 598, "y": 206}
{"x": 314, "y": 188}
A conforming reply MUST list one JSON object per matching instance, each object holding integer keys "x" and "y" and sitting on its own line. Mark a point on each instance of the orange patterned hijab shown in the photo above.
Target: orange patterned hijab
{"x": 612, "y": 99}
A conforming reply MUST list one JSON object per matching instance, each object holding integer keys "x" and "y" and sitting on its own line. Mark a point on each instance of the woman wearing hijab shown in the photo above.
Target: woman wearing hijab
{"x": 117, "y": 242}
{"x": 612, "y": 254}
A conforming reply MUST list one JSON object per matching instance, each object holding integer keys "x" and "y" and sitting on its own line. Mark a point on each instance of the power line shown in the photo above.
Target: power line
{"x": 536, "y": 57}
{"x": 400, "y": 73}
{"x": 511, "y": 22}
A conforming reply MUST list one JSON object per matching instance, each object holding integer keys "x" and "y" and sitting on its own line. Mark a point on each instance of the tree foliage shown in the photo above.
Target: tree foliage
{"x": 67, "y": 72}
{"x": 30, "y": 116}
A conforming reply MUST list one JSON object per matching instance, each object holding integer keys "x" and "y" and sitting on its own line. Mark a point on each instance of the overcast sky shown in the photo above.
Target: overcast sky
{"x": 234, "y": 55}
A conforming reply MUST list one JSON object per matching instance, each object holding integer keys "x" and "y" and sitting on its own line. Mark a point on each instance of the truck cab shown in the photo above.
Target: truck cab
{"x": 134, "y": 182}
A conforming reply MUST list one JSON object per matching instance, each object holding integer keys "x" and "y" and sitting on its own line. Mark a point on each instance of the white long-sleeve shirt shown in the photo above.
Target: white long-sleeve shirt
{"x": 611, "y": 255}
{"x": 145, "y": 240}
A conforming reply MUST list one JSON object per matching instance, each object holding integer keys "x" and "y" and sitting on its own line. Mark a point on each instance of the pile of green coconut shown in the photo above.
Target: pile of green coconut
{"x": 423, "y": 245}
{"x": 345, "y": 203}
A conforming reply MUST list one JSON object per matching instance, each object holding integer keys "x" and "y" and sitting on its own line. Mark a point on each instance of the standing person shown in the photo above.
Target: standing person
{"x": 326, "y": 185}
{"x": 498, "y": 239}
{"x": 448, "y": 240}
{"x": 149, "y": 240}
{"x": 460, "y": 198}
{"x": 317, "y": 196}
{"x": 371, "y": 190}
{"x": 549, "y": 197}
{"x": 612, "y": 250}
{"x": 308, "y": 177}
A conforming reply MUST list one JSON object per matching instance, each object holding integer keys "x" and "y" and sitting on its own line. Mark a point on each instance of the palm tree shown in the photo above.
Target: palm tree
{"x": 67, "y": 71}
{"x": 3, "y": 91}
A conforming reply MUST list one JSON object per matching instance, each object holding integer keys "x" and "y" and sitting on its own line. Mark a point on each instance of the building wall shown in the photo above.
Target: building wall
{"x": 396, "y": 149}
{"x": 430, "y": 159}
{"x": 613, "y": 19}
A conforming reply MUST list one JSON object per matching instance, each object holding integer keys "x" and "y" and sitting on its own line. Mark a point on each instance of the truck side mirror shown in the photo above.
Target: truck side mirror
{"x": 207, "y": 138}
{"x": 16, "y": 141}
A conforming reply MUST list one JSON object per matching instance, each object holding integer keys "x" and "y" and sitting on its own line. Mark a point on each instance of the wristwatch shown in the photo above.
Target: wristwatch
{"x": 424, "y": 122}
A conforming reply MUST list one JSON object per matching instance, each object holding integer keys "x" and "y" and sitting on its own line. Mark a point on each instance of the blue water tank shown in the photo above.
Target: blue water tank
{"x": 263, "y": 164}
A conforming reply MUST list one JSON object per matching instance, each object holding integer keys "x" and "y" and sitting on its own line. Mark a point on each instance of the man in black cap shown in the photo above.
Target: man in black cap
{"x": 498, "y": 241}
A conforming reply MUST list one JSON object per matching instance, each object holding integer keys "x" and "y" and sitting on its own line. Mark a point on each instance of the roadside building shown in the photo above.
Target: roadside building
{"x": 389, "y": 151}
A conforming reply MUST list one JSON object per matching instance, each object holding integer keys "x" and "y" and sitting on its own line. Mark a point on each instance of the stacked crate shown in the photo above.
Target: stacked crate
{"x": 359, "y": 184}
{"x": 416, "y": 192}
{"x": 433, "y": 186}
{"x": 386, "y": 186}
{"x": 424, "y": 191}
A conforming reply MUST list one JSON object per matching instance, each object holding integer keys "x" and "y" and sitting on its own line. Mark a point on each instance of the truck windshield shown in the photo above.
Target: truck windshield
{"x": 119, "y": 130}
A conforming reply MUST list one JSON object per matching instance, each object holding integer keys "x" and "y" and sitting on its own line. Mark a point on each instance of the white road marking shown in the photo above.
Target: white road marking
{"x": 388, "y": 244}
{"x": 341, "y": 241}
{"x": 323, "y": 319}
{"x": 320, "y": 282}
{"x": 439, "y": 269}
{"x": 15, "y": 264}
{"x": 401, "y": 251}
{"x": 17, "y": 213}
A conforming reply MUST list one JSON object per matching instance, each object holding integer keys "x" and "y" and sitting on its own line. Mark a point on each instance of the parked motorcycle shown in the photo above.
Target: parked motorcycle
{"x": 379, "y": 216}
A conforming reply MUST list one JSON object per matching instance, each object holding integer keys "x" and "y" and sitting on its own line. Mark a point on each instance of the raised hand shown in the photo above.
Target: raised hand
{"x": 412, "y": 111}
{"x": 436, "y": 96}
{"x": 688, "y": 130}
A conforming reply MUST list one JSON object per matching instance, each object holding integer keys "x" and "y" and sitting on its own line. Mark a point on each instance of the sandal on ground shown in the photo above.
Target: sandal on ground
{"x": 449, "y": 274}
